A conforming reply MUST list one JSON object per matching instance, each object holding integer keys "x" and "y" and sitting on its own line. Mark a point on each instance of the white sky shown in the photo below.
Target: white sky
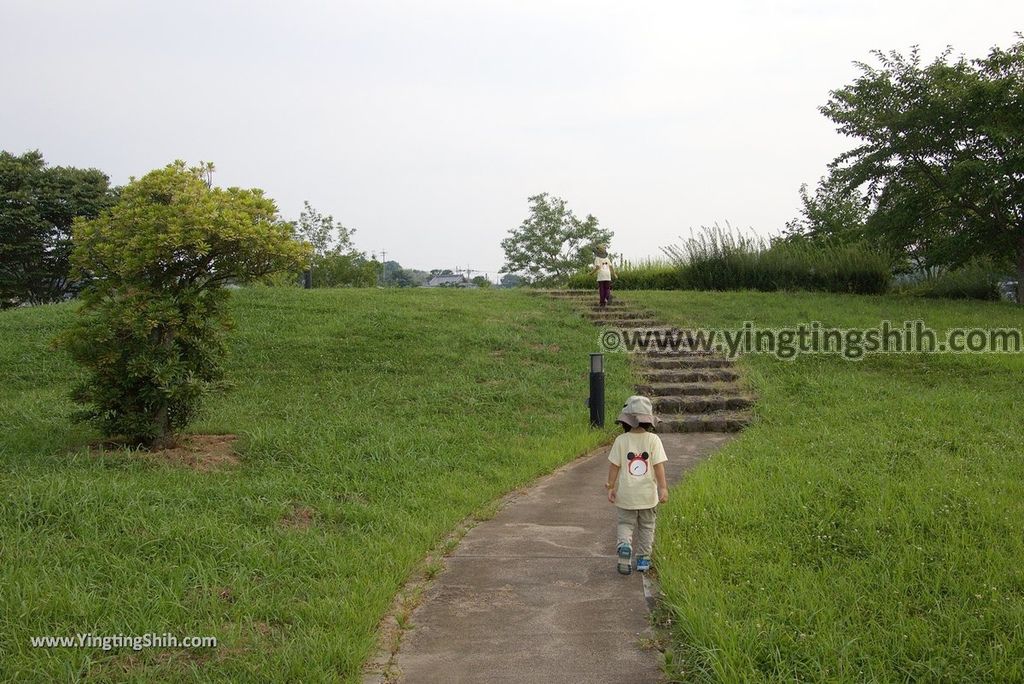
{"x": 426, "y": 125}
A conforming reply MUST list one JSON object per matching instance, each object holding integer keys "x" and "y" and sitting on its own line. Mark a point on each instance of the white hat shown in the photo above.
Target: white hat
{"x": 636, "y": 410}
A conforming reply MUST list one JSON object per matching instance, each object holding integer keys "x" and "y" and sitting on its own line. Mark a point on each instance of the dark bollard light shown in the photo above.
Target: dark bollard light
{"x": 596, "y": 400}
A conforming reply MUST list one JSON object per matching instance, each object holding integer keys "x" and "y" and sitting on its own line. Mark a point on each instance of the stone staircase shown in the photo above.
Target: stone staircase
{"x": 692, "y": 390}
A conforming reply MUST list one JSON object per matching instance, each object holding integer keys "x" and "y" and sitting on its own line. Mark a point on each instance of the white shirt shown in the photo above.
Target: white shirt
{"x": 636, "y": 454}
{"x": 604, "y": 268}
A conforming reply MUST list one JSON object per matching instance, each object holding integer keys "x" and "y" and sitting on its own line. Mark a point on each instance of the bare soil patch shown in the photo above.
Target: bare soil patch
{"x": 202, "y": 453}
{"x": 299, "y": 518}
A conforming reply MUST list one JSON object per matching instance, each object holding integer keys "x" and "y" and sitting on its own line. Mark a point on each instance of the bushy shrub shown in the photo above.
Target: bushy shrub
{"x": 150, "y": 332}
{"x": 978, "y": 279}
{"x": 151, "y": 360}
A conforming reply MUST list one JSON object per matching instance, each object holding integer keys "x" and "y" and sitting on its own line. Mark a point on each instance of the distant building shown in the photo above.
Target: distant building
{"x": 453, "y": 280}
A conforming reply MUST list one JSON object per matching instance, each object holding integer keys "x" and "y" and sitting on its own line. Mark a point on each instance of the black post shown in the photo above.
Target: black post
{"x": 596, "y": 401}
{"x": 307, "y": 279}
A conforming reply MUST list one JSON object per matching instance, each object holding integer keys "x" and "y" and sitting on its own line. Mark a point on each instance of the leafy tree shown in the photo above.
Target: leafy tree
{"x": 481, "y": 281}
{"x": 150, "y": 333}
{"x": 335, "y": 261}
{"x": 341, "y": 269}
{"x": 404, "y": 277}
{"x": 941, "y": 153}
{"x": 37, "y": 205}
{"x": 512, "y": 280}
{"x": 417, "y": 276}
{"x": 323, "y": 232}
{"x": 834, "y": 212}
{"x": 552, "y": 243}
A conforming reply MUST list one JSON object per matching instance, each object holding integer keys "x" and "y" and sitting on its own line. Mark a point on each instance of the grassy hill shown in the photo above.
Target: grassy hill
{"x": 868, "y": 527}
{"x": 370, "y": 423}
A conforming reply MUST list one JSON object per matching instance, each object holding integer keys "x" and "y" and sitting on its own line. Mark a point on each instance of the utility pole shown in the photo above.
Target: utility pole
{"x": 384, "y": 267}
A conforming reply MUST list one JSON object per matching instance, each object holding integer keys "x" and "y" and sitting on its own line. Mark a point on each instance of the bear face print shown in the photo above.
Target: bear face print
{"x": 637, "y": 463}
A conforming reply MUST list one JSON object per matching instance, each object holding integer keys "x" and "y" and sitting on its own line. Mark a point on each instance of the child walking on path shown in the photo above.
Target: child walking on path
{"x": 636, "y": 482}
{"x": 605, "y": 271}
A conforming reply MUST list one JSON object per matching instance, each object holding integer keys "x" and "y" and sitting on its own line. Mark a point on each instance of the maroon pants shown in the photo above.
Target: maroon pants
{"x": 605, "y": 289}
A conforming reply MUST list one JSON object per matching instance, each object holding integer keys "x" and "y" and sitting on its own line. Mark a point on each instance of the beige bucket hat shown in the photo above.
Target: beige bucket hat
{"x": 637, "y": 409}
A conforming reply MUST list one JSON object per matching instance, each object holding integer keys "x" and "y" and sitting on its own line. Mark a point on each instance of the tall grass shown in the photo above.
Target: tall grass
{"x": 719, "y": 258}
{"x": 645, "y": 274}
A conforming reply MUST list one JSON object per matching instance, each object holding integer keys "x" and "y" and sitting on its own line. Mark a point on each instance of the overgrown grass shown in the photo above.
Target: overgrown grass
{"x": 978, "y": 279}
{"x": 720, "y": 259}
{"x": 646, "y": 274}
{"x": 868, "y": 527}
{"x": 384, "y": 416}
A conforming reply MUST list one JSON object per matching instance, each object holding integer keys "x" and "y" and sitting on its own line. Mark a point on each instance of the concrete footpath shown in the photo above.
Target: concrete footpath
{"x": 532, "y": 595}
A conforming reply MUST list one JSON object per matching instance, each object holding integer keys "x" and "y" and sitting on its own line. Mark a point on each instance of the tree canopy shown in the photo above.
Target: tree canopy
{"x": 552, "y": 243}
{"x": 939, "y": 164}
{"x": 335, "y": 261}
{"x": 37, "y": 206}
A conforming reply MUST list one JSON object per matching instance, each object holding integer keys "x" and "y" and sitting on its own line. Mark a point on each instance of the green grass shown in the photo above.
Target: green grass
{"x": 391, "y": 415}
{"x": 868, "y": 527}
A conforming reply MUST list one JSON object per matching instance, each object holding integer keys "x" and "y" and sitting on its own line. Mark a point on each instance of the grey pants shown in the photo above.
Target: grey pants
{"x": 642, "y": 522}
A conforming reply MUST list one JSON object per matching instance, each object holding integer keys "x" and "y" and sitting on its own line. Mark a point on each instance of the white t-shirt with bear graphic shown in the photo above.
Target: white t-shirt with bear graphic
{"x": 636, "y": 454}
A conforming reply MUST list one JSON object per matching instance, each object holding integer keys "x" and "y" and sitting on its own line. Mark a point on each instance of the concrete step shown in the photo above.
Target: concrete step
{"x": 721, "y": 421}
{"x": 688, "y": 389}
{"x": 704, "y": 404}
{"x": 630, "y": 323}
{"x": 613, "y": 311}
{"x": 620, "y": 313}
{"x": 592, "y": 298}
{"x": 655, "y": 354}
{"x": 591, "y": 303}
{"x": 659, "y": 375}
{"x": 566, "y": 293}
{"x": 657, "y": 327}
{"x": 687, "y": 361}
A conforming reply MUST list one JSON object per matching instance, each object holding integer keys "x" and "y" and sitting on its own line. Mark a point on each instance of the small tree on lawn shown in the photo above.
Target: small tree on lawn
{"x": 151, "y": 330}
{"x": 552, "y": 243}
